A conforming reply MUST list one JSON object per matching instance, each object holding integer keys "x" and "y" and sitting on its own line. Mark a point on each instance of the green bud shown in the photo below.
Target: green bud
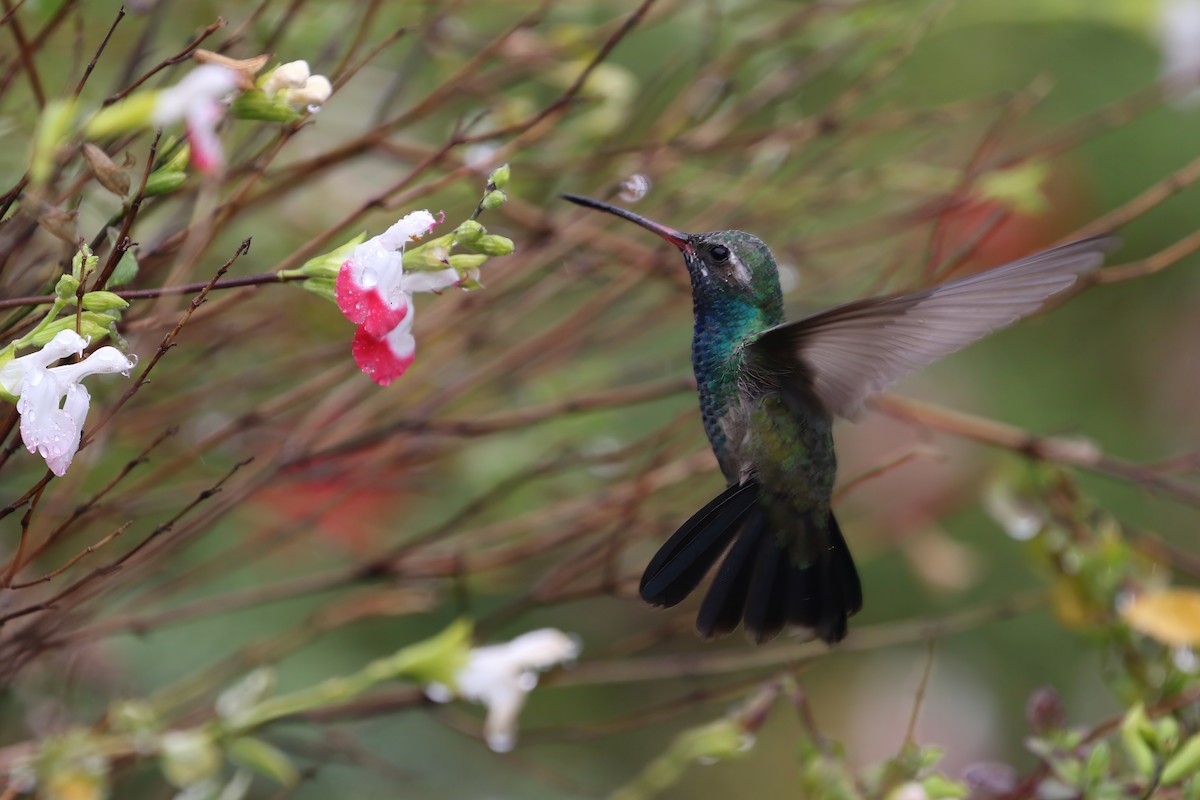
{"x": 433, "y": 255}
{"x": 492, "y": 245}
{"x": 130, "y": 114}
{"x": 499, "y": 176}
{"x": 66, "y": 286}
{"x": 1096, "y": 768}
{"x": 1185, "y": 762}
{"x": 939, "y": 787}
{"x": 469, "y": 231}
{"x": 1134, "y": 741}
{"x": 493, "y": 200}
{"x": 54, "y": 129}
{"x": 178, "y": 161}
{"x": 132, "y": 716}
{"x": 717, "y": 740}
{"x": 164, "y": 181}
{"x": 104, "y": 301}
{"x": 1166, "y": 733}
{"x": 263, "y": 758}
{"x": 83, "y": 261}
{"x": 188, "y": 757}
{"x": 256, "y": 104}
{"x": 467, "y": 261}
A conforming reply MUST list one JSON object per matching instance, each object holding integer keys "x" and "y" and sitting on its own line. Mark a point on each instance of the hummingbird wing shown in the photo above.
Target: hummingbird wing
{"x": 852, "y": 351}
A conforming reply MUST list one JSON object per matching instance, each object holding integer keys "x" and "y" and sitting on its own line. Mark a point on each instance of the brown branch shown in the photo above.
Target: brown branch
{"x": 99, "y": 50}
{"x": 1072, "y": 452}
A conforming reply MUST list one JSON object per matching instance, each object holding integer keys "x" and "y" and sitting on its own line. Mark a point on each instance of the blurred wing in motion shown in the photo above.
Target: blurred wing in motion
{"x": 852, "y": 351}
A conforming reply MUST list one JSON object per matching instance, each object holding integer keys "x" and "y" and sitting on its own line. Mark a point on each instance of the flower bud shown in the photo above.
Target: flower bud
{"x": 1185, "y": 762}
{"x": 291, "y": 75}
{"x": 66, "y": 286}
{"x": 466, "y": 261}
{"x": 164, "y": 181}
{"x": 131, "y": 114}
{"x": 1133, "y": 729}
{"x": 188, "y": 757}
{"x": 499, "y": 176}
{"x": 493, "y": 200}
{"x": 1044, "y": 711}
{"x": 104, "y": 301}
{"x": 493, "y": 245}
{"x": 257, "y": 104}
{"x": 312, "y": 95}
{"x": 54, "y": 128}
{"x": 469, "y": 231}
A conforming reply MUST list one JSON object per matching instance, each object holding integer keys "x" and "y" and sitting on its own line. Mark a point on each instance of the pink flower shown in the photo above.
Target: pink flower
{"x": 197, "y": 101}
{"x": 373, "y": 291}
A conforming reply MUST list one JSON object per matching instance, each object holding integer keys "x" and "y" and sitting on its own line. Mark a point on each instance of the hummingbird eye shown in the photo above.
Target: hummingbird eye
{"x": 720, "y": 254}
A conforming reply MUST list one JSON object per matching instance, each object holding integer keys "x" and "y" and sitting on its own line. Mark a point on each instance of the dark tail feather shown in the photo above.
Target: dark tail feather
{"x": 722, "y": 608}
{"x": 757, "y": 582}
{"x": 682, "y": 562}
{"x": 824, "y": 593}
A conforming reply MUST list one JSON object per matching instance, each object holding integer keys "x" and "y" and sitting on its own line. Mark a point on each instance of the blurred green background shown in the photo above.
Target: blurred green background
{"x": 679, "y": 101}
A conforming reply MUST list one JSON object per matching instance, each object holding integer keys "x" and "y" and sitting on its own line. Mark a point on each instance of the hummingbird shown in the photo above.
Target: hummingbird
{"x": 769, "y": 393}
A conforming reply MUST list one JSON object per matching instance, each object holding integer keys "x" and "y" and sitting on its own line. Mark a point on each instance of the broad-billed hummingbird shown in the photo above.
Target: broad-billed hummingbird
{"x": 769, "y": 392}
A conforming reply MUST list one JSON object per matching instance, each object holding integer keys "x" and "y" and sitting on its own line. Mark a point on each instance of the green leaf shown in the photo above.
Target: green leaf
{"x": 125, "y": 271}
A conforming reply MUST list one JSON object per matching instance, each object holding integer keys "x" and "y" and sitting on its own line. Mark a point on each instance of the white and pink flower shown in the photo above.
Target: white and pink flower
{"x": 198, "y": 101}
{"x": 374, "y": 292}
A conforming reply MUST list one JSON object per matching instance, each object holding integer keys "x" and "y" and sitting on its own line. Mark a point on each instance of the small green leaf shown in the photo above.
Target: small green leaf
{"x": 125, "y": 271}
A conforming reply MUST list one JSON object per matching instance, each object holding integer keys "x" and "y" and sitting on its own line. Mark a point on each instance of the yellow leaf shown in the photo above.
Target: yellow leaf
{"x": 1172, "y": 616}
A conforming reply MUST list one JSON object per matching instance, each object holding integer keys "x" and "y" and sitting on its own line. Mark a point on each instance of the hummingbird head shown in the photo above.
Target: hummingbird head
{"x": 723, "y": 265}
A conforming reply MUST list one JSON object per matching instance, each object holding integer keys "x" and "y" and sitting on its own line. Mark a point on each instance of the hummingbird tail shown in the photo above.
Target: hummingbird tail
{"x": 758, "y": 583}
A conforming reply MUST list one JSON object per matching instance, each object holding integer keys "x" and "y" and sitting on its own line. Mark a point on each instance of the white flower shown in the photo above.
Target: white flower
{"x": 197, "y": 100}
{"x": 291, "y": 75}
{"x": 1179, "y": 39}
{"x": 64, "y": 343}
{"x": 298, "y": 86}
{"x": 312, "y": 95}
{"x": 500, "y": 676}
{"x": 52, "y": 401}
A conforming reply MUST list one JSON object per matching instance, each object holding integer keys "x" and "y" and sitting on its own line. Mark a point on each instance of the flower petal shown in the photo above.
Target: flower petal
{"x": 204, "y": 84}
{"x": 385, "y": 358}
{"x": 291, "y": 75}
{"x": 409, "y": 227}
{"x": 201, "y": 125}
{"x": 46, "y": 428}
{"x": 430, "y": 281}
{"x": 376, "y": 306}
{"x": 64, "y": 343}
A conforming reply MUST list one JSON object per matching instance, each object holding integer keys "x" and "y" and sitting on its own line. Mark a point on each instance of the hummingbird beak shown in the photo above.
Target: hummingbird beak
{"x": 681, "y": 240}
